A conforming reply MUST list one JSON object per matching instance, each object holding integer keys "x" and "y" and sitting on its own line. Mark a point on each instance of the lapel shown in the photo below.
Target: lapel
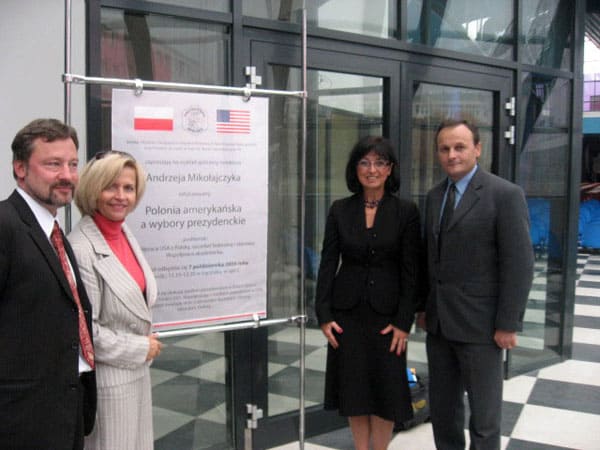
{"x": 437, "y": 196}
{"x": 41, "y": 241}
{"x": 469, "y": 198}
{"x": 114, "y": 274}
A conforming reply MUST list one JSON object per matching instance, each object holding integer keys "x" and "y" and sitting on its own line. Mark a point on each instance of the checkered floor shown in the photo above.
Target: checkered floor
{"x": 557, "y": 407}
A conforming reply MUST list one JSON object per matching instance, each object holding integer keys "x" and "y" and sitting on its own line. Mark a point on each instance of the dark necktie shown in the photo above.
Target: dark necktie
{"x": 447, "y": 212}
{"x": 84, "y": 335}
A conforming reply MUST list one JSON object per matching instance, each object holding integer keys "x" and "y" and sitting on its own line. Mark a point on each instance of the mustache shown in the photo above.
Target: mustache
{"x": 63, "y": 184}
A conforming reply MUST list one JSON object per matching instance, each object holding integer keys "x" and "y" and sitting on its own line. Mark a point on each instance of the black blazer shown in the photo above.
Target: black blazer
{"x": 379, "y": 265}
{"x": 480, "y": 280}
{"x": 39, "y": 337}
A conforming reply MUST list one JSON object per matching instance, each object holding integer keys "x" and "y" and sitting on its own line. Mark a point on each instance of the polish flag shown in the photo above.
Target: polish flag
{"x": 154, "y": 118}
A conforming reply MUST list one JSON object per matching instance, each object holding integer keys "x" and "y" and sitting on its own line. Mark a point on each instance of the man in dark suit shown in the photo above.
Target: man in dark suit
{"x": 480, "y": 264}
{"x": 47, "y": 388}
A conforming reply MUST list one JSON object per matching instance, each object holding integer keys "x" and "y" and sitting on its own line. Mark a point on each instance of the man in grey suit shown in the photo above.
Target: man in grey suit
{"x": 47, "y": 386}
{"x": 480, "y": 267}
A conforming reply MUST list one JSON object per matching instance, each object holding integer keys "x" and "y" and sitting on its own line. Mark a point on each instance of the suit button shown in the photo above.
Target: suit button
{"x": 374, "y": 235}
{"x": 372, "y": 283}
{"x": 372, "y": 252}
{"x": 75, "y": 346}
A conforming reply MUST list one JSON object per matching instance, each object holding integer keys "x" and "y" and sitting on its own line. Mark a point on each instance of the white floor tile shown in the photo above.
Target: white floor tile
{"x": 518, "y": 389}
{"x": 208, "y": 342}
{"x": 589, "y": 292}
{"x": 531, "y": 342}
{"x": 279, "y": 404}
{"x": 416, "y": 352}
{"x": 315, "y": 360}
{"x": 417, "y": 438}
{"x": 586, "y": 335}
{"x": 218, "y": 414}
{"x": 165, "y": 421}
{"x": 291, "y": 335}
{"x": 589, "y": 277}
{"x": 588, "y": 310}
{"x": 274, "y": 368}
{"x": 158, "y": 376}
{"x": 535, "y": 315}
{"x": 572, "y": 371}
{"x": 558, "y": 427}
{"x": 211, "y": 371}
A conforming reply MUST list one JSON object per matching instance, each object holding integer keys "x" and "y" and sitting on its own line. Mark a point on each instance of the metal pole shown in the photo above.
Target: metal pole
{"x": 256, "y": 323}
{"x": 302, "y": 418}
{"x": 139, "y": 85}
{"x": 67, "y": 92}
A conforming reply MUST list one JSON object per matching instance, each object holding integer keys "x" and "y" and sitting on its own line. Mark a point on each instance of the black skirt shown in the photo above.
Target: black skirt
{"x": 363, "y": 377}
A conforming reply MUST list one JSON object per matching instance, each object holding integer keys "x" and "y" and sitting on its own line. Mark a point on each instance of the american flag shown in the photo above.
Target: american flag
{"x": 233, "y": 121}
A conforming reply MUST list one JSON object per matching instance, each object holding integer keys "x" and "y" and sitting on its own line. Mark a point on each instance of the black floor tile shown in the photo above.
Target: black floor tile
{"x": 589, "y": 284}
{"x": 516, "y": 444}
{"x": 181, "y": 359}
{"x": 510, "y": 415}
{"x": 570, "y": 396}
{"x": 587, "y": 322}
{"x": 197, "y": 434}
{"x": 586, "y": 352}
{"x": 587, "y": 300}
{"x": 188, "y": 395}
{"x": 287, "y": 382}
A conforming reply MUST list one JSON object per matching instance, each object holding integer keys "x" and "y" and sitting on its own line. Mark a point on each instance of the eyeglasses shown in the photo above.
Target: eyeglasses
{"x": 378, "y": 164}
{"x": 105, "y": 153}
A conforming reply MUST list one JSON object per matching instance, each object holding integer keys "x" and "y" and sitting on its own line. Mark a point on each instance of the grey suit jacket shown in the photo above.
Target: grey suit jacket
{"x": 121, "y": 316}
{"x": 479, "y": 281}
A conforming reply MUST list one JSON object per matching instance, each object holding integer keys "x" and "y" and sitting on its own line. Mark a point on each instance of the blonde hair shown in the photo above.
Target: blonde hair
{"x": 99, "y": 173}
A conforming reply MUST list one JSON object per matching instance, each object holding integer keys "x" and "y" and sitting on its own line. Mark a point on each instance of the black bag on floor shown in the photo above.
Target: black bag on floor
{"x": 420, "y": 404}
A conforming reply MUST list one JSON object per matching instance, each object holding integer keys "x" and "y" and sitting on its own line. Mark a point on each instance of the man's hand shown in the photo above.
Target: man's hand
{"x": 505, "y": 339}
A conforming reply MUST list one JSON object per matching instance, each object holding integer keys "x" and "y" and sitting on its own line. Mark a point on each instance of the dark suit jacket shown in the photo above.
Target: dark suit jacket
{"x": 379, "y": 266}
{"x": 481, "y": 279}
{"x": 39, "y": 338}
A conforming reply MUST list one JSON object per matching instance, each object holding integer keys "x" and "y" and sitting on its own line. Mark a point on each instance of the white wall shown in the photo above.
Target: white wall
{"x": 32, "y": 50}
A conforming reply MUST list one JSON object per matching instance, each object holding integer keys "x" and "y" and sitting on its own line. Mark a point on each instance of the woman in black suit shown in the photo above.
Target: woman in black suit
{"x": 366, "y": 295}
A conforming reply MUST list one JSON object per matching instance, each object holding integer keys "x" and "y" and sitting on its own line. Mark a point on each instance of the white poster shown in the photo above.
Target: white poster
{"x": 202, "y": 222}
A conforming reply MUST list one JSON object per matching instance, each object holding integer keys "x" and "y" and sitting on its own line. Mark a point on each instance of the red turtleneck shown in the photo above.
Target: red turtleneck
{"x": 117, "y": 241}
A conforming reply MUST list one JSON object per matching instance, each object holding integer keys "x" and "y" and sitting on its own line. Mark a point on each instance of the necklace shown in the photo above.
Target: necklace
{"x": 372, "y": 203}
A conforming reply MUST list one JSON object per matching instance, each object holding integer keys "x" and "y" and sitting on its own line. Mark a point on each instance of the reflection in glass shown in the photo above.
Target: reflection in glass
{"x": 159, "y": 48}
{"x": 432, "y": 104}
{"x": 546, "y": 32}
{"x": 378, "y": 19}
{"x": 542, "y": 174}
{"x": 484, "y": 27}
{"x": 209, "y": 5}
{"x": 341, "y": 108}
{"x": 189, "y": 394}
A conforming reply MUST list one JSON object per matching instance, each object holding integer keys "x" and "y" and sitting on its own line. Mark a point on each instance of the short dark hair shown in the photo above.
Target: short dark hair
{"x": 451, "y": 123}
{"x": 49, "y": 130}
{"x": 384, "y": 150}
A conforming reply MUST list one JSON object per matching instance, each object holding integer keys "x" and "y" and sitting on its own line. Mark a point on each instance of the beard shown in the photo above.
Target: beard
{"x": 52, "y": 198}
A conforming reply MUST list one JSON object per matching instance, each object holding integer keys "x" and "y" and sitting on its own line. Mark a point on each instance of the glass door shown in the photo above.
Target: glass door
{"x": 437, "y": 94}
{"x": 344, "y": 103}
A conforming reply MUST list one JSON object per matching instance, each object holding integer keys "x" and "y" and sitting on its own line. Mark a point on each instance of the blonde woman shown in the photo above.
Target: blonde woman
{"x": 122, "y": 290}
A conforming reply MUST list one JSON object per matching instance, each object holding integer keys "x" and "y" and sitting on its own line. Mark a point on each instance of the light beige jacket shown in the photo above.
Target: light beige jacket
{"x": 121, "y": 316}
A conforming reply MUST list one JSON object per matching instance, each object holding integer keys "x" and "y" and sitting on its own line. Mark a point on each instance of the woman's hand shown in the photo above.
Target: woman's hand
{"x": 155, "y": 347}
{"x": 328, "y": 330}
{"x": 399, "y": 339}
